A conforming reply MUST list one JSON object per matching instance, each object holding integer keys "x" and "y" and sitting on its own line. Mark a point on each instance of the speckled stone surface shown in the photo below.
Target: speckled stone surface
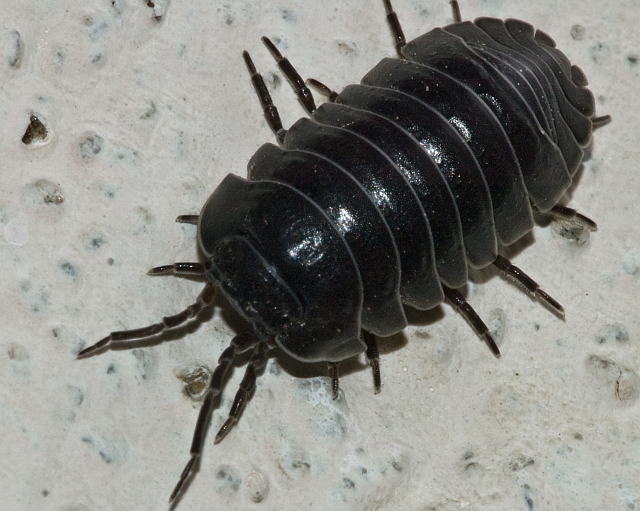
{"x": 145, "y": 110}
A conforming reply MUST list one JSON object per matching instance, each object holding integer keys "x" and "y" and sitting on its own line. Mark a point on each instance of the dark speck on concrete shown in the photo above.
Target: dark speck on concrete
{"x": 37, "y": 299}
{"x": 519, "y": 462}
{"x": 288, "y": 15}
{"x": 227, "y": 476}
{"x": 273, "y": 81}
{"x": 529, "y": 502}
{"x": 15, "y": 56}
{"x": 75, "y": 394}
{"x": 146, "y": 364}
{"x": 196, "y": 380}
{"x": 59, "y": 59}
{"x": 35, "y": 132}
{"x": 112, "y": 450}
{"x": 348, "y": 483}
{"x": 578, "y": 32}
{"x": 76, "y": 397}
{"x": 118, "y": 6}
{"x": 69, "y": 270}
{"x": 599, "y": 53}
{"x": 274, "y": 368}
{"x": 17, "y": 352}
{"x": 300, "y": 465}
{"x": 397, "y": 466}
{"x": 111, "y": 369}
{"x": 613, "y": 334}
{"x": 91, "y": 442}
{"x": 97, "y": 30}
{"x": 90, "y": 146}
{"x": 95, "y": 242}
{"x": 150, "y": 112}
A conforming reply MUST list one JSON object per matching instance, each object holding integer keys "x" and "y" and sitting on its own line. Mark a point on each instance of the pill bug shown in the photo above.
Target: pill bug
{"x": 384, "y": 196}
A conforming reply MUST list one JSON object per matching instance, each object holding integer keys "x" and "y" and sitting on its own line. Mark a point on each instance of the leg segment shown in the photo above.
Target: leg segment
{"x": 323, "y": 89}
{"x": 396, "y": 29}
{"x": 205, "y": 298}
{"x": 520, "y": 277}
{"x": 188, "y": 219}
{"x": 598, "y": 122}
{"x": 457, "y": 17}
{"x": 239, "y": 344}
{"x": 373, "y": 358}
{"x": 257, "y": 361}
{"x": 190, "y": 269}
{"x": 565, "y": 213}
{"x": 460, "y": 304}
{"x": 303, "y": 92}
{"x": 270, "y": 111}
{"x": 335, "y": 379}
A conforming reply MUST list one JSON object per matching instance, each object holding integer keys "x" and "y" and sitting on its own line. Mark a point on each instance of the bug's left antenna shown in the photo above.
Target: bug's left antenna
{"x": 205, "y": 298}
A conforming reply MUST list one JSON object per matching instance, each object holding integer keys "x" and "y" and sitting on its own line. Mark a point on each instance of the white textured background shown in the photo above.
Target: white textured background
{"x": 144, "y": 120}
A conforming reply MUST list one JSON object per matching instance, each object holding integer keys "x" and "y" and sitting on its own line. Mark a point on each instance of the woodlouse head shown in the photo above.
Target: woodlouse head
{"x": 282, "y": 265}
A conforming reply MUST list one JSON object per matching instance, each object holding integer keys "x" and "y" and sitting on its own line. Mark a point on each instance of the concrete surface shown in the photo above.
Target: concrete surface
{"x": 144, "y": 117}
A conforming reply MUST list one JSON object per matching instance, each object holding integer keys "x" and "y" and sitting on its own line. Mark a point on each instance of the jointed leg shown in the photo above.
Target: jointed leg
{"x": 323, "y": 89}
{"x": 270, "y": 111}
{"x": 335, "y": 379}
{"x": 457, "y": 17}
{"x": 188, "y": 219}
{"x": 296, "y": 81}
{"x": 205, "y": 298}
{"x": 461, "y": 305}
{"x": 565, "y": 213}
{"x": 373, "y": 358}
{"x": 191, "y": 269}
{"x": 520, "y": 277}
{"x": 598, "y": 122}
{"x": 257, "y": 361}
{"x": 396, "y": 29}
{"x": 239, "y": 344}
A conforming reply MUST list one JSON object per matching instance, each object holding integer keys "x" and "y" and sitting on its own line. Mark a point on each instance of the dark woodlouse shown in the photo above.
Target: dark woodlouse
{"x": 385, "y": 196}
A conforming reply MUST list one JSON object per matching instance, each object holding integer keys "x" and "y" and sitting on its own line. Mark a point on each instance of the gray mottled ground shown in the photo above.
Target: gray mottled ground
{"x": 143, "y": 110}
